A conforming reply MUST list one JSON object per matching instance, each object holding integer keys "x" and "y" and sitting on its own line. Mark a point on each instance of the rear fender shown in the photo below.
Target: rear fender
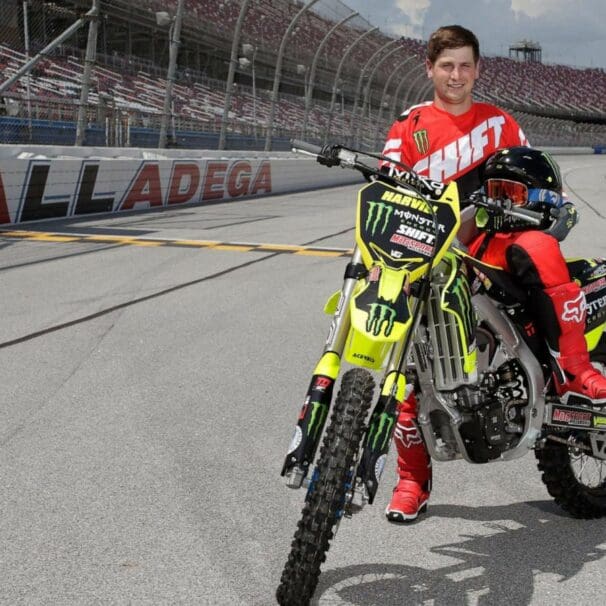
{"x": 590, "y": 275}
{"x": 593, "y": 336}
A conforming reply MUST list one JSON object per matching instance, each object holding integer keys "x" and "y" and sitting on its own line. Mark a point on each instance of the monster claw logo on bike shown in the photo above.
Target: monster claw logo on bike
{"x": 317, "y": 410}
{"x": 379, "y": 209}
{"x": 381, "y": 428}
{"x": 379, "y": 314}
{"x": 461, "y": 304}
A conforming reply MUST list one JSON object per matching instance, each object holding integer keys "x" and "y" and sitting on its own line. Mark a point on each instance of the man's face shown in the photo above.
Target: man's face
{"x": 454, "y": 73}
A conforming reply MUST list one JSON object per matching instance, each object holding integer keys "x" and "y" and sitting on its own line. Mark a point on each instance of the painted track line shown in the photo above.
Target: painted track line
{"x": 66, "y": 237}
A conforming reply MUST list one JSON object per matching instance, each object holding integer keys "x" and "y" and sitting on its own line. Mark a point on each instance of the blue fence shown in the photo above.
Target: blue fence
{"x": 52, "y": 132}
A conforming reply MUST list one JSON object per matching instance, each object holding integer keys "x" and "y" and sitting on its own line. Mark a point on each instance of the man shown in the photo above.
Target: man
{"x": 447, "y": 139}
{"x": 450, "y": 137}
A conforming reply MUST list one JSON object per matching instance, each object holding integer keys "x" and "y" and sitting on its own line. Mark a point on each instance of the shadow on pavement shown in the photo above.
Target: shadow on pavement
{"x": 492, "y": 569}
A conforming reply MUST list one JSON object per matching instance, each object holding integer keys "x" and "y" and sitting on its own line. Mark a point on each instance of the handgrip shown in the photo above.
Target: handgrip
{"x": 536, "y": 218}
{"x": 307, "y": 147}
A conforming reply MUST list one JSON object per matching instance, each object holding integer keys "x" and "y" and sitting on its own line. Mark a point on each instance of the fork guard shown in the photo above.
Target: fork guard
{"x": 380, "y": 317}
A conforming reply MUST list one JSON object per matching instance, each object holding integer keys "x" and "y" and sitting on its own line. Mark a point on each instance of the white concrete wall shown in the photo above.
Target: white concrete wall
{"x": 39, "y": 182}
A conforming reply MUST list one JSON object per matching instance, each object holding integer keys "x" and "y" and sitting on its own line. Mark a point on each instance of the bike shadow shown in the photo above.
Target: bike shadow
{"x": 523, "y": 540}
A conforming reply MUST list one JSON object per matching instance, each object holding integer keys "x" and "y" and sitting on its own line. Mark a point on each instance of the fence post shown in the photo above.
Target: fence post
{"x": 312, "y": 73}
{"x": 175, "y": 40}
{"x": 278, "y": 72}
{"x": 338, "y": 73}
{"x": 233, "y": 60}
{"x": 89, "y": 60}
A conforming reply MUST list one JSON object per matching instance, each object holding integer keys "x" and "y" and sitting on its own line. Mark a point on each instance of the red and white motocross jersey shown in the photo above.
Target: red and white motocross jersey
{"x": 445, "y": 147}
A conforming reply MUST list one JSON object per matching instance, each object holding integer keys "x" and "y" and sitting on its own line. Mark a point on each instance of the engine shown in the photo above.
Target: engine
{"x": 490, "y": 414}
{"x": 477, "y": 410}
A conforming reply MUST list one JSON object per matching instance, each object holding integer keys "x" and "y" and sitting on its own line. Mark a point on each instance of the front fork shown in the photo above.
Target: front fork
{"x": 311, "y": 420}
{"x": 384, "y": 418}
{"x": 316, "y": 405}
{"x": 378, "y": 438}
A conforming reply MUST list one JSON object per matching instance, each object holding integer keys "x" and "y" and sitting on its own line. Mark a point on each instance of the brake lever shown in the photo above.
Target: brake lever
{"x": 481, "y": 201}
{"x": 529, "y": 216}
{"x": 505, "y": 207}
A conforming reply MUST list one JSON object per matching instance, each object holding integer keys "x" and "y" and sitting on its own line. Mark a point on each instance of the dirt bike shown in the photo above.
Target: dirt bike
{"x": 419, "y": 311}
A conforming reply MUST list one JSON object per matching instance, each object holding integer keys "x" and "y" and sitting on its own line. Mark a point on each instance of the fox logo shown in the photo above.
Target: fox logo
{"x": 575, "y": 309}
{"x": 409, "y": 436}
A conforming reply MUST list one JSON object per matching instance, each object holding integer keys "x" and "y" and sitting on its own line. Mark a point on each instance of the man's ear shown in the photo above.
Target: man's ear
{"x": 429, "y": 68}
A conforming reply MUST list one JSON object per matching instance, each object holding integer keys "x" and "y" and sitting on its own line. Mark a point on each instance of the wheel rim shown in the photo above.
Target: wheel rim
{"x": 588, "y": 470}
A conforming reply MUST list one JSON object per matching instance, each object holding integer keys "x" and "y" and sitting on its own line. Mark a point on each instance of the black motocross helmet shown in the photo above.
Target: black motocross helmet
{"x": 526, "y": 176}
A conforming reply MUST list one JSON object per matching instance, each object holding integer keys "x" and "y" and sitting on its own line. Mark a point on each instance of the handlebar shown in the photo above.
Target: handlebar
{"x": 310, "y": 148}
{"x": 337, "y": 155}
{"x": 530, "y": 216}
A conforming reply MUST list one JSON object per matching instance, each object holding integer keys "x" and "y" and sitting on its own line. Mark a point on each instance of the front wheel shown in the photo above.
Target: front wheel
{"x": 574, "y": 478}
{"x": 328, "y": 488}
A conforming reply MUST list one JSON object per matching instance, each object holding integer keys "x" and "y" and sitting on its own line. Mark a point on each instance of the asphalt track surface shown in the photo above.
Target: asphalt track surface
{"x": 152, "y": 366}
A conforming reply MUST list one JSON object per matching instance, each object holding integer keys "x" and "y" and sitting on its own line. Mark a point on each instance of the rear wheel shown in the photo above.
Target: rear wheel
{"x": 575, "y": 478}
{"x": 327, "y": 493}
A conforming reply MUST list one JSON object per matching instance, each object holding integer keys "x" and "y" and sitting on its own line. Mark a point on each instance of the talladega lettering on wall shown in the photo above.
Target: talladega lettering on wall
{"x": 43, "y": 189}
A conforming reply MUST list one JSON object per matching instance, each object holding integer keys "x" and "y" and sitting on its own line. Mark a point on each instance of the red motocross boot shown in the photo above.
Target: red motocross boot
{"x": 411, "y": 494}
{"x": 576, "y": 376}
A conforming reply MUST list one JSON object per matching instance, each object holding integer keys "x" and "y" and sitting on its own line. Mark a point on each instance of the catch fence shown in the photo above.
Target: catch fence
{"x": 218, "y": 74}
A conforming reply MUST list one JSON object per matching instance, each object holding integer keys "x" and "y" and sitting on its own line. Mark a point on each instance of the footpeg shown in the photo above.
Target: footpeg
{"x": 357, "y": 499}
{"x": 295, "y": 477}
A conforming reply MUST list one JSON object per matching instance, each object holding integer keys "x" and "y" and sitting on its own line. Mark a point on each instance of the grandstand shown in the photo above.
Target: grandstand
{"x": 555, "y": 104}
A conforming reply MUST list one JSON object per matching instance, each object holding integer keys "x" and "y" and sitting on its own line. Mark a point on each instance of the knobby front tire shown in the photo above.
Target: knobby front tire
{"x": 325, "y": 500}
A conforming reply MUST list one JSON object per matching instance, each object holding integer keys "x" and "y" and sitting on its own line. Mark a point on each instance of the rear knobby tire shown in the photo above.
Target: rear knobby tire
{"x": 575, "y": 479}
{"x": 324, "y": 503}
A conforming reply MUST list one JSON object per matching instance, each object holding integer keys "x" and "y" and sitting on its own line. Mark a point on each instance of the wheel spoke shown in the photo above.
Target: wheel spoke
{"x": 588, "y": 470}
{"x": 584, "y": 460}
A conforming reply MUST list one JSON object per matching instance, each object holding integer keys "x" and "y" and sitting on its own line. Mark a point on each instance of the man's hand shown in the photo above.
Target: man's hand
{"x": 564, "y": 219}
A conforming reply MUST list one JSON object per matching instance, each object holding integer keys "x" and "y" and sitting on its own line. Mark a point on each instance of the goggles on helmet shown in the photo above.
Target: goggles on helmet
{"x": 504, "y": 189}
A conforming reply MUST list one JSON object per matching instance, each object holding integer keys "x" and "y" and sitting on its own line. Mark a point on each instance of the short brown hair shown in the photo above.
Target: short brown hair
{"x": 451, "y": 36}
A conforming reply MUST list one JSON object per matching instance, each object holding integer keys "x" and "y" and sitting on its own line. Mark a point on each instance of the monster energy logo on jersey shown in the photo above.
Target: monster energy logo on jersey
{"x": 378, "y": 211}
{"x": 421, "y": 141}
{"x": 378, "y": 314}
